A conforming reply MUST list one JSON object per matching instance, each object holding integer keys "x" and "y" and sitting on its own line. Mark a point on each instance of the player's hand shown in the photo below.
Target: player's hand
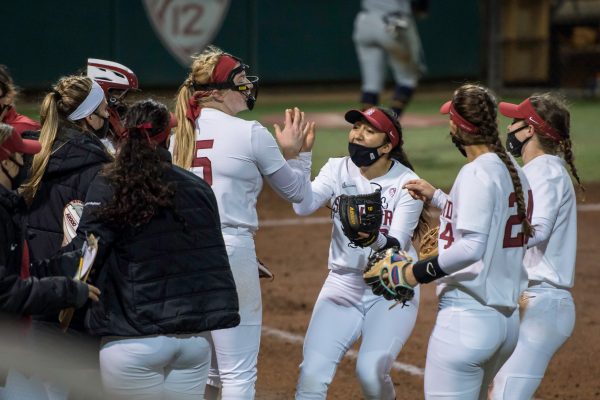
{"x": 420, "y": 189}
{"x": 291, "y": 137}
{"x": 93, "y": 293}
{"x": 309, "y": 137}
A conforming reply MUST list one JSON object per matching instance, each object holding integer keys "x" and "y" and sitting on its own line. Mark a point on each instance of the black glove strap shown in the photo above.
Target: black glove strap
{"x": 428, "y": 270}
{"x": 391, "y": 242}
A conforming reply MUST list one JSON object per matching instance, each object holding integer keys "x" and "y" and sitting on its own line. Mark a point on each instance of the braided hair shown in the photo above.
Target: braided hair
{"x": 554, "y": 111}
{"x": 478, "y": 105}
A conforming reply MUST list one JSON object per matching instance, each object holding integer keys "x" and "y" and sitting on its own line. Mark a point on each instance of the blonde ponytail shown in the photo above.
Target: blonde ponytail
{"x": 183, "y": 151}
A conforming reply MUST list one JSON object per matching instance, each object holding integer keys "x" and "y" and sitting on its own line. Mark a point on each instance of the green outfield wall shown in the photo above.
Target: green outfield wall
{"x": 284, "y": 41}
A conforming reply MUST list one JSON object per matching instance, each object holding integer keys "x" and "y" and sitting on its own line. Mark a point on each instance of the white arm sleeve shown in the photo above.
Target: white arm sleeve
{"x": 439, "y": 199}
{"x": 406, "y": 217}
{"x": 318, "y": 192}
{"x": 546, "y": 207}
{"x": 292, "y": 179}
{"x": 464, "y": 252}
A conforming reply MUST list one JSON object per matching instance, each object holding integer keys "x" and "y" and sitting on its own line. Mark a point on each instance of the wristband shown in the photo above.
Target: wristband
{"x": 428, "y": 270}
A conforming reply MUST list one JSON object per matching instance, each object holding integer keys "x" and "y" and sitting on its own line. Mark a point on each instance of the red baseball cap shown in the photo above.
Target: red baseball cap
{"x": 379, "y": 120}
{"x": 459, "y": 120}
{"x": 16, "y": 144}
{"x": 526, "y": 112}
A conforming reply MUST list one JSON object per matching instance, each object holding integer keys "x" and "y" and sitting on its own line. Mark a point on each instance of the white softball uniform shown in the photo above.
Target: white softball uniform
{"x": 155, "y": 367}
{"x": 233, "y": 155}
{"x": 374, "y": 44}
{"x": 476, "y": 327}
{"x": 547, "y": 308}
{"x": 346, "y": 309}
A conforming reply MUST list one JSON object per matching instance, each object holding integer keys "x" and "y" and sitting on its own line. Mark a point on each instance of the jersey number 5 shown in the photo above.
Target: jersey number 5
{"x": 520, "y": 239}
{"x": 204, "y": 162}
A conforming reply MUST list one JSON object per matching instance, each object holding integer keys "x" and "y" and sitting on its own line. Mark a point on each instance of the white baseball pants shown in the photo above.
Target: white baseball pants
{"x": 547, "y": 321}
{"x": 468, "y": 345}
{"x": 235, "y": 350}
{"x": 345, "y": 310}
{"x": 155, "y": 367}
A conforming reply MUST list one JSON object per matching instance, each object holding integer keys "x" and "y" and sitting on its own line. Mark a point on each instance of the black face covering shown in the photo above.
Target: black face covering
{"x": 459, "y": 144}
{"x": 103, "y": 130}
{"x": 17, "y": 180}
{"x": 363, "y": 156}
{"x": 514, "y": 145}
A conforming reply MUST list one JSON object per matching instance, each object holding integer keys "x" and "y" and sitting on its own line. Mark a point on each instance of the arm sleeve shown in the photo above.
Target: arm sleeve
{"x": 318, "y": 192}
{"x": 439, "y": 199}
{"x": 405, "y": 219}
{"x": 39, "y": 296}
{"x": 292, "y": 179}
{"x": 546, "y": 204}
{"x": 265, "y": 150}
{"x": 464, "y": 252}
{"x": 98, "y": 194}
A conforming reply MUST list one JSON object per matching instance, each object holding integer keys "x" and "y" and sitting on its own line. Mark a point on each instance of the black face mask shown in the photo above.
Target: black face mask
{"x": 103, "y": 130}
{"x": 363, "y": 156}
{"x": 514, "y": 145}
{"x": 459, "y": 144}
{"x": 17, "y": 180}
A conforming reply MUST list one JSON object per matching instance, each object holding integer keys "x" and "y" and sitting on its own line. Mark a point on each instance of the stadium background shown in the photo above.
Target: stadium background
{"x": 304, "y": 55}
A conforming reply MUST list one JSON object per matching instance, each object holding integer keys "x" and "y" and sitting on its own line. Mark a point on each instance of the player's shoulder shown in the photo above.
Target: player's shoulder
{"x": 212, "y": 114}
{"x": 547, "y": 167}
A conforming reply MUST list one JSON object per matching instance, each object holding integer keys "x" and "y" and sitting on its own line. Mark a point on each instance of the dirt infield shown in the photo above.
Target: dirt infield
{"x": 298, "y": 256}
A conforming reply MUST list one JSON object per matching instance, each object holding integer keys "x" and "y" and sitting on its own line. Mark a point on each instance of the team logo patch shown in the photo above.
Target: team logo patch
{"x": 71, "y": 215}
{"x": 392, "y": 192}
{"x": 185, "y": 27}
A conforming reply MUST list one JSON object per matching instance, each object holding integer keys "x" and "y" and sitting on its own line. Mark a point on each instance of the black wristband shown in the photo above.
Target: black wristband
{"x": 390, "y": 242}
{"x": 428, "y": 270}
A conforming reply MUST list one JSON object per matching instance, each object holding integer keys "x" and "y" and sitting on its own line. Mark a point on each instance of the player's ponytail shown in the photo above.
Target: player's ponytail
{"x": 478, "y": 106}
{"x": 554, "y": 111}
{"x": 183, "y": 150}
{"x": 65, "y": 97}
{"x": 202, "y": 68}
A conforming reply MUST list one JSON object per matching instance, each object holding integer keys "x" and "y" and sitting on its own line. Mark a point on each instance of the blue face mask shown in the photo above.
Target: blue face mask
{"x": 363, "y": 156}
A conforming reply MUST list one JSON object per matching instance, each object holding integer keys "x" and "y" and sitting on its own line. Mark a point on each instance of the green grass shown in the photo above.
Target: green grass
{"x": 429, "y": 149}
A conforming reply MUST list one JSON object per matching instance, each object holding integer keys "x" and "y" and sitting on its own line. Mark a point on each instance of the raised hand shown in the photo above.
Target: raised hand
{"x": 291, "y": 138}
{"x": 420, "y": 189}
{"x": 309, "y": 137}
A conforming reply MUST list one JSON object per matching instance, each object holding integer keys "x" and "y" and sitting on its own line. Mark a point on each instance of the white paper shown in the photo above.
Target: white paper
{"x": 89, "y": 249}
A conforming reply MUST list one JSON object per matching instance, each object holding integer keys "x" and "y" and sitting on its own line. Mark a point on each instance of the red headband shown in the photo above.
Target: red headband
{"x": 224, "y": 66}
{"x": 459, "y": 120}
{"x": 379, "y": 120}
{"x": 159, "y": 137}
{"x": 526, "y": 112}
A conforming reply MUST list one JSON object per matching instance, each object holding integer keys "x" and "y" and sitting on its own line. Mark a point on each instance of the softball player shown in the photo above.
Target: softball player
{"x": 233, "y": 156}
{"x": 346, "y": 308}
{"x": 483, "y": 231}
{"x": 386, "y": 29}
{"x": 540, "y": 134}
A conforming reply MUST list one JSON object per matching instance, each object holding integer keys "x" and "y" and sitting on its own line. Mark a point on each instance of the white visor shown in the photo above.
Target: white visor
{"x": 90, "y": 104}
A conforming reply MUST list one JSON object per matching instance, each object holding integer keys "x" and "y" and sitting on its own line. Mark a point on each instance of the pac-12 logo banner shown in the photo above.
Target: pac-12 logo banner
{"x": 186, "y": 27}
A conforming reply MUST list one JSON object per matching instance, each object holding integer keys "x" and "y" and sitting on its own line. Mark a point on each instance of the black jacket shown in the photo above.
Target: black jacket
{"x": 171, "y": 275}
{"x": 32, "y": 295}
{"x": 76, "y": 159}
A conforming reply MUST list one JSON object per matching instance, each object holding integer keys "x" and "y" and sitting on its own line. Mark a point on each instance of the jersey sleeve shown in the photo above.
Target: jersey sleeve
{"x": 546, "y": 204}
{"x": 474, "y": 202}
{"x": 265, "y": 150}
{"x": 406, "y": 218}
{"x": 320, "y": 190}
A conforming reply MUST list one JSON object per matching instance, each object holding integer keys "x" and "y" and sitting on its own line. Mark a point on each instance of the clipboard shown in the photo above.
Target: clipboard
{"x": 89, "y": 252}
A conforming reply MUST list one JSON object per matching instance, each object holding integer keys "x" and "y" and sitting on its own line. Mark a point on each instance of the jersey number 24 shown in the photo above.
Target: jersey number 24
{"x": 509, "y": 241}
